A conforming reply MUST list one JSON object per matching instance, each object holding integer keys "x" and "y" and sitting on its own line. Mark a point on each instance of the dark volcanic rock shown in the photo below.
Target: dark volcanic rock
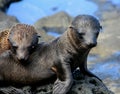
{"x": 89, "y": 86}
{"x": 82, "y": 85}
{"x": 4, "y": 4}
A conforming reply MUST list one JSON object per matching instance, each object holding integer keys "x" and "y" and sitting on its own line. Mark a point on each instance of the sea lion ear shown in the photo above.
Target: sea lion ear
{"x": 70, "y": 28}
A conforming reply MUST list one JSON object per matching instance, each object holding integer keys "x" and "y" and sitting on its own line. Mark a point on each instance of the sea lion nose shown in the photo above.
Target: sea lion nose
{"x": 21, "y": 58}
{"x": 92, "y": 44}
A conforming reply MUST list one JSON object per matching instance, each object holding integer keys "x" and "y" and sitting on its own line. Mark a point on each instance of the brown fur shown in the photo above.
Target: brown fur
{"x": 20, "y": 31}
{"x": 23, "y": 39}
{"x": 4, "y": 44}
{"x": 61, "y": 57}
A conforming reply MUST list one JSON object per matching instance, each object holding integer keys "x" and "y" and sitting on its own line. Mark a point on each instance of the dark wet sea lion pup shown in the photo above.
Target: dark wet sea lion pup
{"x": 88, "y": 29}
{"x": 61, "y": 57}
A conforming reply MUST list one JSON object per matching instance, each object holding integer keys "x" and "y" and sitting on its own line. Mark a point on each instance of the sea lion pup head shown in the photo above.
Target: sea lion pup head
{"x": 4, "y": 44}
{"x": 23, "y": 40}
{"x": 88, "y": 28}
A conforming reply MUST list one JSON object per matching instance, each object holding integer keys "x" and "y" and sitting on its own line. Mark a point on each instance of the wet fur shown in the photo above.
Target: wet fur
{"x": 4, "y": 44}
{"x": 21, "y": 40}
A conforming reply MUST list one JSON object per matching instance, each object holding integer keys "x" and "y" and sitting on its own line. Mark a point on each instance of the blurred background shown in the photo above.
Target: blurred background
{"x": 52, "y": 17}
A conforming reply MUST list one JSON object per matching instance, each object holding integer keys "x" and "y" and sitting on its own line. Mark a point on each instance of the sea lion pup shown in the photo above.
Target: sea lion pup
{"x": 61, "y": 57}
{"x": 88, "y": 29}
{"x": 23, "y": 39}
{"x": 4, "y": 44}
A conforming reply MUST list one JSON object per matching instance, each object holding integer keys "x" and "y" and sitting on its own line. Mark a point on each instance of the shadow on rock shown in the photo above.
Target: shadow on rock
{"x": 82, "y": 85}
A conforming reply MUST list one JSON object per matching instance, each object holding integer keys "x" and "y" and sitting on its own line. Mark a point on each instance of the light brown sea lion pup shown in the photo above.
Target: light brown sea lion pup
{"x": 61, "y": 56}
{"x": 21, "y": 40}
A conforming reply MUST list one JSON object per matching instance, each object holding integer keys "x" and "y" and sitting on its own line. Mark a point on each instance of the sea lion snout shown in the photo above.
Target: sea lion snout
{"x": 22, "y": 55}
{"x": 92, "y": 44}
{"x": 90, "y": 41}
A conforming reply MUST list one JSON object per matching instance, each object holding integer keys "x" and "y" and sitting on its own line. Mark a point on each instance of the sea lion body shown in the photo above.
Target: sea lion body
{"x": 59, "y": 57}
{"x": 13, "y": 71}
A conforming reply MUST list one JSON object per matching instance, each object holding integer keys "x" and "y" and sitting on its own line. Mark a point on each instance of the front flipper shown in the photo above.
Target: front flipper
{"x": 85, "y": 71}
{"x": 61, "y": 87}
{"x": 64, "y": 78}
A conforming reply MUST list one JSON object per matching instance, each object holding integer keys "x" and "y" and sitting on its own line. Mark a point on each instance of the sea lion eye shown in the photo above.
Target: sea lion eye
{"x": 14, "y": 48}
{"x": 81, "y": 35}
{"x": 31, "y": 47}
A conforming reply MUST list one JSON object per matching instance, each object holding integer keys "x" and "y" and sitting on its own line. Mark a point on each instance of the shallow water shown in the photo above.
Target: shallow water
{"x": 109, "y": 67}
